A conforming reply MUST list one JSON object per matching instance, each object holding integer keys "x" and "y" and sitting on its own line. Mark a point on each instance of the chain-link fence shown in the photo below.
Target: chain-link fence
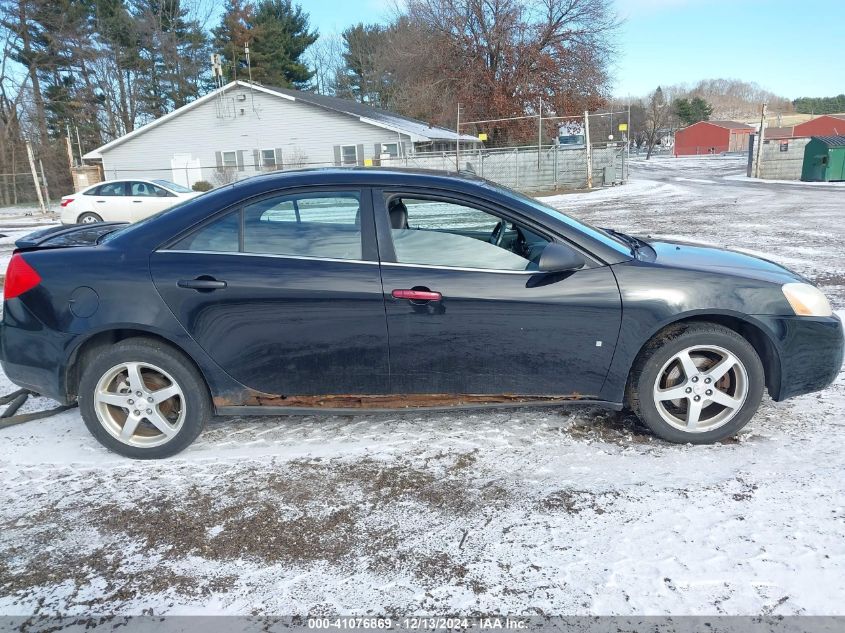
{"x": 553, "y": 167}
{"x": 52, "y": 172}
{"x": 557, "y": 167}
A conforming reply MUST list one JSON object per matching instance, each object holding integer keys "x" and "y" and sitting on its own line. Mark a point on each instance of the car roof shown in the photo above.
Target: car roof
{"x": 366, "y": 176}
{"x": 149, "y": 181}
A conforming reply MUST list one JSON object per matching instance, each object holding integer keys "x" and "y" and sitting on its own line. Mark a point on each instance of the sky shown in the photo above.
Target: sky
{"x": 787, "y": 47}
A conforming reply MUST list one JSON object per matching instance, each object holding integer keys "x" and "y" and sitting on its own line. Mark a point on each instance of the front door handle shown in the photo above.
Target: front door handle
{"x": 201, "y": 283}
{"x": 416, "y": 295}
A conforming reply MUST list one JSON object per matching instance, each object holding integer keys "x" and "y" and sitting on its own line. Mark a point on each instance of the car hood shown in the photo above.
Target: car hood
{"x": 719, "y": 260}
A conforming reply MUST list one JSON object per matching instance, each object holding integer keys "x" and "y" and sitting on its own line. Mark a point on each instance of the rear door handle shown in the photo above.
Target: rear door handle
{"x": 416, "y": 295}
{"x": 137, "y": 201}
{"x": 201, "y": 283}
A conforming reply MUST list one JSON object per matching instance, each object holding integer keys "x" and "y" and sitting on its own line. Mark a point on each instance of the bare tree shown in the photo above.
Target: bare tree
{"x": 733, "y": 99}
{"x": 498, "y": 58}
{"x": 658, "y": 113}
{"x": 325, "y": 57}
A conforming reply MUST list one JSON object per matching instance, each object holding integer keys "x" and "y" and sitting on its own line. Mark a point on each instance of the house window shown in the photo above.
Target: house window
{"x": 230, "y": 159}
{"x": 391, "y": 149}
{"x": 268, "y": 159}
{"x": 348, "y": 155}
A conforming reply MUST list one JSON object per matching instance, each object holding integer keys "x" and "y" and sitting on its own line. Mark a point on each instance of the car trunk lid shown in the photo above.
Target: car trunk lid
{"x": 64, "y": 236}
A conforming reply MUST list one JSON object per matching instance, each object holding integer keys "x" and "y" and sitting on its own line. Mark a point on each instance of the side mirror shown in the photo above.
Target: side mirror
{"x": 559, "y": 258}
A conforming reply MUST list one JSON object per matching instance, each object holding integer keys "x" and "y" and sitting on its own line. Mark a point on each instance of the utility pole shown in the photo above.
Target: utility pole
{"x": 46, "y": 185}
{"x": 627, "y": 146}
{"x": 35, "y": 177}
{"x": 760, "y": 136}
{"x": 589, "y": 150}
{"x": 249, "y": 74}
{"x": 458, "y": 141}
{"x": 539, "y": 134}
{"x": 69, "y": 147}
{"x": 69, "y": 144}
{"x": 79, "y": 144}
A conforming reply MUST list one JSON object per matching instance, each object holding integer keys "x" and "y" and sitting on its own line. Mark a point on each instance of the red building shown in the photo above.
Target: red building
{"x": 712, "y": 137}
{"x": 825, "y": 125}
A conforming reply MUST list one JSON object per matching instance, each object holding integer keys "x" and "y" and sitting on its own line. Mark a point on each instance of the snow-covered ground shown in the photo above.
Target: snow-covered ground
{"x": 15, "y": 222}
{"x": 569, "y": 511}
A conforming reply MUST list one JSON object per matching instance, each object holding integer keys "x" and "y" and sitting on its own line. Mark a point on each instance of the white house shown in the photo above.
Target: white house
{"x": 242, "y": 129}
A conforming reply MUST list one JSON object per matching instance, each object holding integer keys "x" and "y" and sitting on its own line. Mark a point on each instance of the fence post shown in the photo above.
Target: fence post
{"x": 760, "y": 138}
{"x": 555, "y": 165}
{"x": 35, "y": 177}
{"x": 589, "y": 150}
{"x": 516, "y": 156}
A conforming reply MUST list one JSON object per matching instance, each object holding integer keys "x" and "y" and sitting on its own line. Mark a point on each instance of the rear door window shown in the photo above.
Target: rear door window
{"x": 314, "y": 225}
{"x": 112, "y": 189}
{"x": 219, "y": 236}
{"x": 325, "y": 225}
{"x": 147, "y": 190}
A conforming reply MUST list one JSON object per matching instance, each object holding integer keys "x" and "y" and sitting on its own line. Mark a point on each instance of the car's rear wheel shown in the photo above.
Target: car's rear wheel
{"x": 143, "y": 399}
{"x": 88, "y": 218}
{"x": 697, "y": 383}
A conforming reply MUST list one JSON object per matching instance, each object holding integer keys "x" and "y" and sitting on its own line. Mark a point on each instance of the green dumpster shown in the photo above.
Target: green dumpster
{"x": 824, "y": 159}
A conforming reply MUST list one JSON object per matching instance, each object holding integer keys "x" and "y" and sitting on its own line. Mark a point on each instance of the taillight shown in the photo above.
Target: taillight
{"x": 66, "y": 201}
{"x": 20, "y": 277}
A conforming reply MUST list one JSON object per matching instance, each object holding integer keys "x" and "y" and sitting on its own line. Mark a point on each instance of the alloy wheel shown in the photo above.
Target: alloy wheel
{"x": 701, "y": 388}
{"x": 139, "y": 404}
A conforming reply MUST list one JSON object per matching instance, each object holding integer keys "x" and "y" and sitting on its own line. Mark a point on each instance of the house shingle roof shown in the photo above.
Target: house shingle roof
{"x": 731, "y": 125}
{"x": 417, "y": 130}
{"x": 353, "y": 108}
{"x": 779, "y": 132}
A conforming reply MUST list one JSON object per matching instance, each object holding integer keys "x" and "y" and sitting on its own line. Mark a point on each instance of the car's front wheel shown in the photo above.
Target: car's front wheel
{"x": 143, "y": 399}
{"x": 696, "y": 383}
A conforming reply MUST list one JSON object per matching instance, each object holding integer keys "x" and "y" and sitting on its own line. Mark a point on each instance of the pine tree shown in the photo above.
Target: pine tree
{"x": 281, "y": 38}
{"x": 278, "y": 35}
{"x": 174, "y": 50}
{"x": 362, "y": 77}
{"x": 233, "y": 33}
{"x": 693, "y": 110}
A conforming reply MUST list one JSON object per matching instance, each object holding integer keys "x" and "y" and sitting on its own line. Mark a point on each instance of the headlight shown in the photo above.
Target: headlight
{"x": 807, "y": 300}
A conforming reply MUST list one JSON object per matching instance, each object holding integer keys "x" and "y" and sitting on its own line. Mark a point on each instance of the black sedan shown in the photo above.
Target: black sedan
{"x": 339, "y": 290}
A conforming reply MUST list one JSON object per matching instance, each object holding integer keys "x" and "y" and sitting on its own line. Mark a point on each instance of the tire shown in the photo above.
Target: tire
{"x": 159, "y": 426}
{"x": 88, "y": 218}
{"x": 664, "y": 397}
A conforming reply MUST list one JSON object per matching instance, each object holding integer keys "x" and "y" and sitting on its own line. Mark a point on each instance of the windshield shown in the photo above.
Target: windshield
{"x": 172, "y": 186}
{"x": 597, "y": 234}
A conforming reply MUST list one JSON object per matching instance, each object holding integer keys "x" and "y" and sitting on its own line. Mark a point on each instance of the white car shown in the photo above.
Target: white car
{"x": 122, "y": 201}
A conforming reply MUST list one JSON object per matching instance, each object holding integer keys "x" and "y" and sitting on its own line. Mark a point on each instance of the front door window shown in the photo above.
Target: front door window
{"x": 440, "y": 233}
